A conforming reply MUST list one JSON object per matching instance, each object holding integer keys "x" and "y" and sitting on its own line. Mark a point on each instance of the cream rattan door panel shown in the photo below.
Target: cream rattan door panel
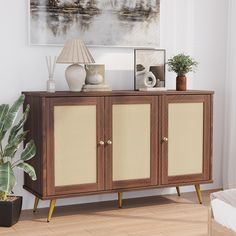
{"x": 75, "y": 145}
{"x": 131, "y": 141}
{"x": 185, "y": 138}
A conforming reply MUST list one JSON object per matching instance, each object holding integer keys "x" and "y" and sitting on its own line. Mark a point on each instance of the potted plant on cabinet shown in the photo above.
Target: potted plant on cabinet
{"x": 11, "y": 137}
{"x": 181, "y": 64}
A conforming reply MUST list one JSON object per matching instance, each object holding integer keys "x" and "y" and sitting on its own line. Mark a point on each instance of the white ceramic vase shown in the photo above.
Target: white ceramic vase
{"x": 75, "y": 77}
{"x": 93, "y": 78}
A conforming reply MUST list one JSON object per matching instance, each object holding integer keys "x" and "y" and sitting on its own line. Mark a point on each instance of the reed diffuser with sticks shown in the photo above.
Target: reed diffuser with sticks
{"x": 51, "y": 85}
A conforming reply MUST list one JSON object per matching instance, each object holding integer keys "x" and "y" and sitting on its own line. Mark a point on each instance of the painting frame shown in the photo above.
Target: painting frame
{"x": 32, "y": 42}
{"x": 156, "y": 63}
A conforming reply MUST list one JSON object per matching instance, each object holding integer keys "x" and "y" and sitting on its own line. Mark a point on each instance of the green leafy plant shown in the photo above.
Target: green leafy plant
{"x": 11, "y": 137}
{"x": 182, "y": 64}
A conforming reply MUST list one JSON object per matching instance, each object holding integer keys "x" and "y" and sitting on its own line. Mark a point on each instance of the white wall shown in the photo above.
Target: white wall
{"x": 210, "y": 48}
{"x": 229, "y": 148}
{"x": 195, "y": 27}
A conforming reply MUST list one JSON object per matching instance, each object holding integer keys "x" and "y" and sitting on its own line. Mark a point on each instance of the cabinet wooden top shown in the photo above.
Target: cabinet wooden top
{"x": 115, "y": 93}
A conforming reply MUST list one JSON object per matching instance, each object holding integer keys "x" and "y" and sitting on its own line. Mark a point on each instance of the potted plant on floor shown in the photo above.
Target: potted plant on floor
{"x": 11, "y": 137}
{"x": 181, "y": 64}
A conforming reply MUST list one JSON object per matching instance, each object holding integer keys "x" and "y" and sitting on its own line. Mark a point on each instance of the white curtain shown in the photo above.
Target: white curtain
{"x": 229, "y": 145}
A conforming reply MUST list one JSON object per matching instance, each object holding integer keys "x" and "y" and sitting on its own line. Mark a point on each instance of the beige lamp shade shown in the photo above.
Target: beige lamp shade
{"x": 75, "y": 51}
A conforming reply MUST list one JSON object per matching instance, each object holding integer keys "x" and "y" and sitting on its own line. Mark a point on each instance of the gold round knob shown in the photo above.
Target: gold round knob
{"x": 101, "y": 143}
{"x": 109, "y": 142}
{"x": 165, "y": 139}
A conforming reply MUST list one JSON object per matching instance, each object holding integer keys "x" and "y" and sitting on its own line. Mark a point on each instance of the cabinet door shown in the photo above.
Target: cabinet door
{"x": 186, "y": 138}
{"x": 75, "y": 159}
{"x": 131, "y": 136}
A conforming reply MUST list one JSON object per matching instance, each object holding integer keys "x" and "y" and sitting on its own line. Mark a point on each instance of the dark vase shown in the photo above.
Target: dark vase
{"x": 181, "y": 83}
{"x": 10, "y": 212}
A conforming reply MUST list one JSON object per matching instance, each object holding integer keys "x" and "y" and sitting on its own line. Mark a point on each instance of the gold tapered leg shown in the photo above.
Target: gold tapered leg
{"x": 36, "y": 202}
{"x": 199, "y": 194}
{"x": 178, "y": 190}
{"x": 51, "y": 209}
{"x": 120, "y": 199}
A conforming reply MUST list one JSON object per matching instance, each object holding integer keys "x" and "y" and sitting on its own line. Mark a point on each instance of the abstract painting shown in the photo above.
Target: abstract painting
{"x": 125, "y": 23}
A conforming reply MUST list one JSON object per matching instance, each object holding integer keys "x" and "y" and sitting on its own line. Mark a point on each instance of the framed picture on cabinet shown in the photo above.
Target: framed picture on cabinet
{"x": 149, "y": 69}
{"x": 118, "y": 23}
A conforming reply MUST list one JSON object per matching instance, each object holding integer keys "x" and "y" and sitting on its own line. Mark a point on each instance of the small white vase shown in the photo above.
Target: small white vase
{"x": 93, "y": 78}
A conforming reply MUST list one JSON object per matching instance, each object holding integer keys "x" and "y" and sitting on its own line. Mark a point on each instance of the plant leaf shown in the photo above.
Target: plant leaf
{"x": 7, "y": 178}
{"x": 28, "y": 169}
{"x": 3, "y": 112}
{"x": 29, "y": 151}
{"x": 11, "y": 148}
{"x": 11, "y": 116}
{"x": 17, "y": 127}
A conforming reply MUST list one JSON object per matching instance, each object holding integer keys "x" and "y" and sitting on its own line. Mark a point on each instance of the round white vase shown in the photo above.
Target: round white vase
{"x": 93, "y": 78}
{"x": 75, "y": 77}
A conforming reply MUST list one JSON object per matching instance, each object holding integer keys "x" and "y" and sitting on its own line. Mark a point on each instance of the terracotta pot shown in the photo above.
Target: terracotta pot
{"x": 181, "y": 83}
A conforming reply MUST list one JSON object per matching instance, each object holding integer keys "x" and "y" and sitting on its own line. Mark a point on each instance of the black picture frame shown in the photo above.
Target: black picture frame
{"x": 148, "y": 60}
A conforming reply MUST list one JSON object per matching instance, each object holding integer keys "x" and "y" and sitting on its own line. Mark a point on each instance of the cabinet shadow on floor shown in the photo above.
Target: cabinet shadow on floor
{"x": 97, "y": 207}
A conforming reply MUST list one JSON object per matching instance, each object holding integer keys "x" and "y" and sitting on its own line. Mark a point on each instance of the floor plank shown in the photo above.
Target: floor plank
{"x": 151, "y": 216}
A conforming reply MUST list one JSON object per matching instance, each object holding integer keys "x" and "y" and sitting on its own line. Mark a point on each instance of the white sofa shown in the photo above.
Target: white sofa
{"x": 222, "y": 215}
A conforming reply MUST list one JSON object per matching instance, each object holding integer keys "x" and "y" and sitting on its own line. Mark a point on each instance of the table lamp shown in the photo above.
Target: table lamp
{"x": 75, "y": 52}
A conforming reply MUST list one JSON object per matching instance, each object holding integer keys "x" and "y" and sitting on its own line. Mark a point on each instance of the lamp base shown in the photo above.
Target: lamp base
{"x": 75, "y": 77}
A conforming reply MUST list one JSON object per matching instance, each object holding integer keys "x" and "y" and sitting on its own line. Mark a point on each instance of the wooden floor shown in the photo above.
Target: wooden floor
{"x": 153, "y": 216}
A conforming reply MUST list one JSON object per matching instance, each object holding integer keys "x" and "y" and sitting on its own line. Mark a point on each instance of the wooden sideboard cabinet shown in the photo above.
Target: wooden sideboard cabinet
{"x": 92, "y": 143}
